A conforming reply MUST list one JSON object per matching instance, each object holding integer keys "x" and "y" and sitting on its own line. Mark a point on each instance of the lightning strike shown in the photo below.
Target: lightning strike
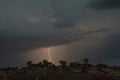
{"x": 49, "y": 56}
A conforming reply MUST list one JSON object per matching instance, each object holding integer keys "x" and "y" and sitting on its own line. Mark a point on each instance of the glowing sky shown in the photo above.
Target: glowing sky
{"x": 59, "y": 29}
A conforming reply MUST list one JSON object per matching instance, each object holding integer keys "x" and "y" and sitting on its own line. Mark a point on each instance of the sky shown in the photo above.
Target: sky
{"x": 71, "y": 29}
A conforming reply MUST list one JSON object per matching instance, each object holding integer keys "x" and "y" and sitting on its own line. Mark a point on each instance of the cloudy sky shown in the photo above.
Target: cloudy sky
{"x": 71, "y": 29}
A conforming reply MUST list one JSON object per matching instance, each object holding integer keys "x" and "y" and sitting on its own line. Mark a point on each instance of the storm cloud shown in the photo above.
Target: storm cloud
{"x": 28, "y": 25}
{"x": 104, "y": 4}
{"x": 17, "y": 44}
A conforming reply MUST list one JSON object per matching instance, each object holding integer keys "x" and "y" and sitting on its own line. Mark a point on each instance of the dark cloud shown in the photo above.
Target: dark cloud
{"x": 18, "y": 44}
{"x": 108, "y": 50}
{"x": 109, "y": 53}
{"x": 28, "y": 25}
{"x": 67, "y": 13}
{"x": 112, "y": 47}
{"x": 105, "y": 4}
{"x": 65, "y": 24}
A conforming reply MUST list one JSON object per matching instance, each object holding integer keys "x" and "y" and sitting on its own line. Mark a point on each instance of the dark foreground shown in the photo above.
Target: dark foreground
{"x": 74, "y": 71}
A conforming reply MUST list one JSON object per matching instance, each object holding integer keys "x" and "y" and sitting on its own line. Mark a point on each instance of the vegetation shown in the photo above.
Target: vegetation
{"x": 46, "y": 70}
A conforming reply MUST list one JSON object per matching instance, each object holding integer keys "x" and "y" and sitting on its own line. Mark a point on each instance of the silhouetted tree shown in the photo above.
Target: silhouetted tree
{"x": 101, "y": 66}
{"x": 63, "y": 63}
{"x": 40, "y": 64}
{"x": 29, "y": 64}
{"x": 46, "y": 63}
{"x": 72, "y": 65}
{"x": 75, "y": 64}
{"x": 86, "y": 60}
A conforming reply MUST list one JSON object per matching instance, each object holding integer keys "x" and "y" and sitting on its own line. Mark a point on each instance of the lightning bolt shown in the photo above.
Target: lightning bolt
{"x": 49, "y": 56}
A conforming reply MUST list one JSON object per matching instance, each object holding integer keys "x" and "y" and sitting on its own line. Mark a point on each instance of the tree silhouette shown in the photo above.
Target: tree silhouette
{"x": 29, "y": 64}
{"x": 101, "y": 66}
{"x": 45, "y": 70}
{"x": 46, "y": 63}
{"x": 75, "y": 64}
{"x": 86, "y": 60}
{"x": 63, "y": 63}
{"x": 40, "y": 64}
